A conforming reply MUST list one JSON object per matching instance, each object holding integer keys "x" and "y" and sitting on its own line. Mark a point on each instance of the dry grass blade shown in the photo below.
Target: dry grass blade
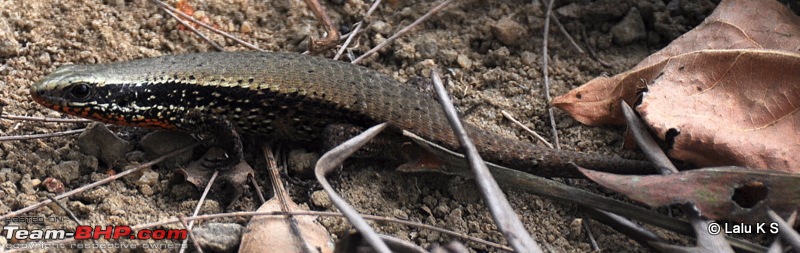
{"x": 199, "y": 205}
{"x": 333, "y": 33}
{"x": 402, "y": 31}
{"x": 545, "y": 56}
{"x": 786, "y": 231}
{"x": 556, "y": 190}
{"x": 706, "y": 242}
{"x": 356, "y": 31}
{"x": 534, "y": 133}
{"x": 188, "y": 227}
{"x": 41, "y": 136}
{"x": 279, "y": 214}
{"x": 333, "y": 159}
{"x": 218, "y": 31}
{"x": 288, "y": 233}
{"x": 503, "y": 214}
{"x": 72, "y": 217}
{"x": 646, "y": 142}
{"x": 624, "y": 226}
{"x": 190, "y": 27}
{"x": 100, "y": 182}
{"x": 44, "y": 119}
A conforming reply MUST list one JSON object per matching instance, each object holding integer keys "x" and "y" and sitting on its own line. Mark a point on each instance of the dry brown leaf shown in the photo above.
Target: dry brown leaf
{"x": 729, "y": 107}
{"x": 299, "y": 233}
{"x": 230, "y": 183}
{"x": 275, "y": 234}
{"x": 736, "y": 194}
{"x": 735, "y": 24}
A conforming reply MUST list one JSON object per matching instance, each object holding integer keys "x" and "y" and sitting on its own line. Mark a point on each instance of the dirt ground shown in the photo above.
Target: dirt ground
{"x": 490, "y": 51}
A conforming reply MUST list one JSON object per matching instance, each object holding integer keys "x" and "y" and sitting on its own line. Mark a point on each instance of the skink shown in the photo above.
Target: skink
{"x": 285, "y": 96}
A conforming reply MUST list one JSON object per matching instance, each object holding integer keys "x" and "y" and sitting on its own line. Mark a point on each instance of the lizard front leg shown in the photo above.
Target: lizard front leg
{"x": 221, "y": 133}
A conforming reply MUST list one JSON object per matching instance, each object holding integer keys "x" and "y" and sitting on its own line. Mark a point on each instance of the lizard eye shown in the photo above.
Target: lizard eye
{"x": 80, "y": 91}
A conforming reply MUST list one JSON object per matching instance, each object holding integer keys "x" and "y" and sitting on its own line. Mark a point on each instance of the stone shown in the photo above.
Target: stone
{"x": 219, "y": 237}
{"x": 100, "y": 142}
{"x": 630, "y": 29}
{"x": 509, "y": 32}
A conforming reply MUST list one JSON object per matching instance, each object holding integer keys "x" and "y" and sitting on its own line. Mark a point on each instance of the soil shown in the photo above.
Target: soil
{"x": 490, "y": 51}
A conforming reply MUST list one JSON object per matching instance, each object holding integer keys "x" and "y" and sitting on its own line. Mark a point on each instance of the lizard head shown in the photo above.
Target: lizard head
{"x": 87, "y": 91}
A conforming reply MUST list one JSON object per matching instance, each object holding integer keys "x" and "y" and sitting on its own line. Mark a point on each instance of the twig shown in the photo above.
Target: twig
{"x": 322, "y": 17}
{"x": 191, "y": 233}
{"x": 595, "y": 247}
{"x": 787, "y": 233}
{"x": 218, "y": 31}
{"x": 356, "y": 30}
{"x": 313, "y": 213}
{"x": 546, "y": 77}
{"x": 40, "y": 136}
{"x": 200, "y": 205}
{"x": 589, "y": 48}
{"x": 190, "y": 27}
{"x": 74, "y": 218}
{"x": 44, "y": 119}
{"x": 282, "y": 195}
{"x": 100, "y": 182}
{"x": 332, "y": 160}
{"x": 563, "y": 30}
{"x": 502, "y": 213}
{"x": 257, "y": 188}
{"x": 535, "y": 134}
{"x": 402, "y": 31}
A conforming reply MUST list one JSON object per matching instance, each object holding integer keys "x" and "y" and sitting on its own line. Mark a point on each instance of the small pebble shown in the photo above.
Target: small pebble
{"x": 576, "y": 226}
{"x": 100, "y": 142}
{"x": 464, "y": 61}
{"x": 509, "y": 32}
{"x": 528, "y": 58}
{"x": 146, "y": 190}
{"x": 9, "y": 45}
{"x": 246, "y": 28}
{"x": 66, "y": 171}
{"x": 301, "y": 163}
{"x": 320, "y": 199}
{"x": 400, "y": 214}
{"x": 219, "y": 237}
{"x": 160, "y": 143}
{"x": 381, "y": 27}
{"x": 630, "y": 29}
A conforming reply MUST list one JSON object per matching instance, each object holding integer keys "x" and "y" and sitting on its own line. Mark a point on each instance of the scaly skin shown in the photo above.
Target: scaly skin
{"x": 284, "y": 96}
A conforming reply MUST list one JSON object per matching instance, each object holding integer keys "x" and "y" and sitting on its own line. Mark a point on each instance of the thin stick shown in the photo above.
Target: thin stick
{"x": 200, "y": 205}
{"x": 546, "y": 78}
{"x": 507, "y": 221}
{"x": 44, "y": 119}
{"x": 535, "y": 134}
{"x": 190, "y": 27}
{"x": 402, "y": 31}
{"x": 40, "y": 136}
{"x": 74, "y": 218}
{"x": 563, "y": 30}
{"x": 191, "y": 233}
{"x": 589, "y": 48}
{"x": 220, "y": 32}
{"x": 257, "y": 188}
{"x": 357, "y": 30}
{"x": 100, "y": 182}
{"x": 312, "y": 213}
{"x": 322, "y": 17}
